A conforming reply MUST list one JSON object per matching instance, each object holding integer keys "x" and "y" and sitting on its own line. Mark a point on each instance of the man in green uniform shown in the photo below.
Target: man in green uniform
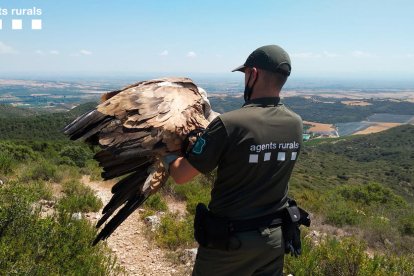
{"x": 254, "y": 149}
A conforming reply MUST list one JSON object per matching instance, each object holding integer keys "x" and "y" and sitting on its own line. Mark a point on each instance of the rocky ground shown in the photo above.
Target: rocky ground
{"x": 134, "y": 251}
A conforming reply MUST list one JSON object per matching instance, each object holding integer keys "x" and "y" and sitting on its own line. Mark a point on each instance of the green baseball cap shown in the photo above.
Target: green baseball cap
{"x": 270, "y": 57}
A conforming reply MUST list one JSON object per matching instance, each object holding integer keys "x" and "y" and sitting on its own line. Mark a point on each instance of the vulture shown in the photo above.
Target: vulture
{"x": 135, "y": 127}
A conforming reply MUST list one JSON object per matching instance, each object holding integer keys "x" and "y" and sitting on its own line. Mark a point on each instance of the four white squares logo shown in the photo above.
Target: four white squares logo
{"x": 17, "y": 24}
{"x": 281, "y": 156}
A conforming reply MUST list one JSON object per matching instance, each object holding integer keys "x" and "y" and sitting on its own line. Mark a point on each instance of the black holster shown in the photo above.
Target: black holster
{"x": 294, "y": 217}
{"x": 210, "y": 230}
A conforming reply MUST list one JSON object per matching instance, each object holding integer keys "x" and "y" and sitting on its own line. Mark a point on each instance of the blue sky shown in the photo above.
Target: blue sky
{"x": 360, "y": 39}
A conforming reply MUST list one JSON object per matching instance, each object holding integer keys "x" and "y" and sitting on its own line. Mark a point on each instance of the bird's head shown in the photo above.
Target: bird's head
{"x": 209, "y": 113}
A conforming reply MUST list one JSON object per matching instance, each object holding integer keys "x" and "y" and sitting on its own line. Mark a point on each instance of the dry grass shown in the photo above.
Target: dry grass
{"x": 377, "y": 128}
{"x": 318, "y": 127}
{"x": 356, "y": 103}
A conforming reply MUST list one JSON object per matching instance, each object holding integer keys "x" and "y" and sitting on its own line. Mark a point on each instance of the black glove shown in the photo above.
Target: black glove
{"x": 291, "y": 235}
{"x": 295, "y": 216}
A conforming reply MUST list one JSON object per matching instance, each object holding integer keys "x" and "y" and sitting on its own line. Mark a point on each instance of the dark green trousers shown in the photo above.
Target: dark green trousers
{"x": 261, "y": 253}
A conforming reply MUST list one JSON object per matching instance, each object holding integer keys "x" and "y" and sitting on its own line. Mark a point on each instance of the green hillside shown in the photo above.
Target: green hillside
{"x": 25, "y": 124}
{"x": 386, "y": 157}
{"x": 9, "y": 111}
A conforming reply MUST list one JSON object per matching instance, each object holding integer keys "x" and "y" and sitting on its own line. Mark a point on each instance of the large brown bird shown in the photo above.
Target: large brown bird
{"x": 135, "y": 127}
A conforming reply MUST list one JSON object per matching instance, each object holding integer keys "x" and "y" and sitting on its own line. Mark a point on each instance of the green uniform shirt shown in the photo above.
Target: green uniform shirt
{"x": 255, "y": 149}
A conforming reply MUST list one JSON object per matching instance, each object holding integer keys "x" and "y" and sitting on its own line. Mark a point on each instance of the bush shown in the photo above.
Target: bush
{"x": 156, "y": 203}
{"x": 345, "y": 257}
{"x": 42, "y": 170}
{"x": 406, "y": 225}
{"x": 372, "y": 193}
{"x": 341, "y": 213}
{"x": 92, "y": 168}
{"x": 18, "y": 152}
{"x": 7, "y": 164}
{"x": 79, "y": 198}
{"x": 79, "y": 155}
{"x": 175, "y": 232}
{"x": 194, "y": 192}
{"x": 31, "y": 245}
{"x": 40, "y": 190}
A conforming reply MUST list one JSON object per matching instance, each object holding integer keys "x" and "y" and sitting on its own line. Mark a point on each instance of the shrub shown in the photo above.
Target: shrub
{"x": 42, "y": 170}
{"x": 341, "y": 213}
{"x": 67, "y": 173}
{"x": 66, "y": 161}
{"x": 79, "y": 198}
{"x": 40, "y": 190}
{"x": 31, "y": 245}
{"x": 406, "y": 225}
{"x": 92, "y": 168}
{"x": 7, "y": 164}
{"x": 345, "y": 257}
{"x": 156, "y": 203}
{"x": 372, "y": 193}
{"x": 79, "y": 155}
{"x": 193, "y": 192}
{"x": 18, "y": 152}
{"x": 174, "y": 232}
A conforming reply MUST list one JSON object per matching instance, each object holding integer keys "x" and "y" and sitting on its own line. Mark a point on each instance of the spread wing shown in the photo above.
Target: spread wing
{"x": 135, "y": 127}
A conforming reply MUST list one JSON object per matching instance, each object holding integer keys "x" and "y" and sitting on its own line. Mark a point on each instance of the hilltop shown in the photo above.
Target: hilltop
{"x": 35, "y": 124}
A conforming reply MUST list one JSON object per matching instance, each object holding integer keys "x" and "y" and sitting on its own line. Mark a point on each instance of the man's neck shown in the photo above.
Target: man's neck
{"x": 264, "y": 93}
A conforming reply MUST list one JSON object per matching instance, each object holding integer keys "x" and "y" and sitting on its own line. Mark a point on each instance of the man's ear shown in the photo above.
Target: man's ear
{"x": 254, "y": 75}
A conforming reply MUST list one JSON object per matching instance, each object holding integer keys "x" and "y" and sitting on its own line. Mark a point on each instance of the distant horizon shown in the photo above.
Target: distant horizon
{"x": 396, "y": 76}
{"x": 400, "y": 82}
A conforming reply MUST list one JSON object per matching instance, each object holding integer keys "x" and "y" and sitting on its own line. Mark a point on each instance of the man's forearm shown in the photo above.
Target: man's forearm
{"x": 182, "y": 171}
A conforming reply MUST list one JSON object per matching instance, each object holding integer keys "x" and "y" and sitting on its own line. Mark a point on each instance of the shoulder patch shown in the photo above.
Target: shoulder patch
{"x": 199, "y": 146}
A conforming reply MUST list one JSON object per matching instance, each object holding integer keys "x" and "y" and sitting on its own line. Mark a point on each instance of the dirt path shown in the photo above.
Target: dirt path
{"x": 134, "y": 252}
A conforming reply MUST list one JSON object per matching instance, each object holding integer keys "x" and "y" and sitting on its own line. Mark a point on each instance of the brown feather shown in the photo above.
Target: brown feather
{"x": 136, "y": 126}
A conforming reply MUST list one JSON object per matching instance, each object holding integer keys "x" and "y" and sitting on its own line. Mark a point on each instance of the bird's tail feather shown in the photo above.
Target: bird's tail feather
{"x": 117, "y": 165}
{"x": 86, "y": 125}
{"x": 123, "y": 191}
{"x": 129, "y": 207}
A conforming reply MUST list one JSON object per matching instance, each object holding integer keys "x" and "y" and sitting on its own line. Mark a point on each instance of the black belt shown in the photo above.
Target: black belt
{"x": 275, "y": 219}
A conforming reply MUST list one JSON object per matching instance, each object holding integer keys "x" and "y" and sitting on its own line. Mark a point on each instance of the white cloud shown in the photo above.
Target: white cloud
{"x": 409, "y": 55}
{"x": 330, "y": 55}
{"x": 191, "y": 54}
{"x": 39, "y": 52}
{"x": 309, "y": 55}
{"x": 54, "y": 52}
{"x": 362, "y": 54}
{"x": 306, "y": 55}
{"x": 164, "y": 53}
{"x": 85, "y": 52}
{"x": 6, "y": 49}
{"x": 82, "y": 52}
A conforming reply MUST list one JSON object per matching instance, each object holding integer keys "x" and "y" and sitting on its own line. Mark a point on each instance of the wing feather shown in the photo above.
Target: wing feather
{"x": 135, "y": 126}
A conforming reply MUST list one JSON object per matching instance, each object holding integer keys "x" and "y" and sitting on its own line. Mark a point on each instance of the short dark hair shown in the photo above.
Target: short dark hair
{"x": 273, "y": 78}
